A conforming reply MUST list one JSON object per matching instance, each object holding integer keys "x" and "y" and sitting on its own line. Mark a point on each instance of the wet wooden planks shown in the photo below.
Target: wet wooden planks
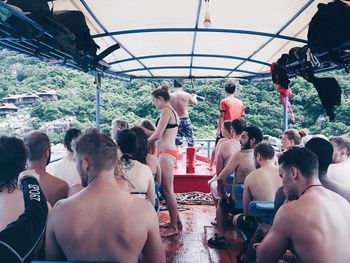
{"x": 191, "y": 244}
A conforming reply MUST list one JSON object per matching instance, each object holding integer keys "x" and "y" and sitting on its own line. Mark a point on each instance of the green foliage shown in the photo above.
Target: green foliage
{"x": 131, "y": 101}
{"x": 57, "y": 137}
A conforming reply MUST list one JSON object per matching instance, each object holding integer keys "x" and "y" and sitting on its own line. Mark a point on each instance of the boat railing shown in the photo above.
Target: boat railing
{"x": 203, "y": 147}
{"x": 207, "y": 145}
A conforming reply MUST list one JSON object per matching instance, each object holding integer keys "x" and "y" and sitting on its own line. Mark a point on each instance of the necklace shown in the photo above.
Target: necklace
{"x": 308, "y": 187}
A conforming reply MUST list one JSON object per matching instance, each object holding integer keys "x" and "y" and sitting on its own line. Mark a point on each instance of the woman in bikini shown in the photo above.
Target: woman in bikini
{"x": 137, "y": 177}
{"x": 165, "y": 134}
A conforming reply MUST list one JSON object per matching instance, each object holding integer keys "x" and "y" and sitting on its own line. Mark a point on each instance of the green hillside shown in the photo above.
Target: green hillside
{"x": 131, "y": 101}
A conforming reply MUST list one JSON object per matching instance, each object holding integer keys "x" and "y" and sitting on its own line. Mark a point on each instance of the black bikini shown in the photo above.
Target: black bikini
{"x": 169, "y": 126}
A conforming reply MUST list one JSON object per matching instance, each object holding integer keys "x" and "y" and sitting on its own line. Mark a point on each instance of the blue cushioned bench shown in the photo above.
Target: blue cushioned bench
{"x": 238, "y": 193}
{"x": 229, "y": 183}
{"x": 264, "y": 210}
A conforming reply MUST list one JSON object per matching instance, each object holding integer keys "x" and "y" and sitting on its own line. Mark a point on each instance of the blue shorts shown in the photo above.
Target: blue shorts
{"x": 185, "y": 130}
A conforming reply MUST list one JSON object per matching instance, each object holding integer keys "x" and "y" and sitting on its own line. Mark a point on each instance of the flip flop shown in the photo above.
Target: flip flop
{"x": 169, "y": 233}
{"x": 164, "y": 224}
{"x": 217, "y": 242}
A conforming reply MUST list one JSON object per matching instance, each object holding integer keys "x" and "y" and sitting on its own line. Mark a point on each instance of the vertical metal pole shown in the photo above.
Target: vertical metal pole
{"x": 285, "y": 114}
{"x": 98, "y": 87}
{"x": 208, "y": 154}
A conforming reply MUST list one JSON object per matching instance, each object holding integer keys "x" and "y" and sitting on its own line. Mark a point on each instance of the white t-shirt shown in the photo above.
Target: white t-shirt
{"x": 66, "y": 170}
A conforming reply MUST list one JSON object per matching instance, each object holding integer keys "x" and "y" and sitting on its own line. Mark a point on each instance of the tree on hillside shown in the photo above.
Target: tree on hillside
{"x": 132, "y": 101}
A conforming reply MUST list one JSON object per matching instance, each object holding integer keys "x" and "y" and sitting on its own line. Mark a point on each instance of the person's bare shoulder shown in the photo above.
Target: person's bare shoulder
{"x": 59, "y": 208}
{"x": 167, "y": 111}
{"x": 293, "y": 212}
{"x": 239, "y": 155}
{"x": 224, "y": 145}
{"x": 252, "y": 176}
{"x": 287, "y": 215}
{"x": 143, "y": 208}
{"x": 56, "y": 181}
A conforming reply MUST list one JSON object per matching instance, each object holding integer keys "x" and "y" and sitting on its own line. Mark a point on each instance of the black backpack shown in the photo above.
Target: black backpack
{"x": 76, "y": 23}
{"x": 37, "y": 6}
{"x": 329, "y": 27}
{"x": 329, "y": 92}
{"x": 40, "y": 12}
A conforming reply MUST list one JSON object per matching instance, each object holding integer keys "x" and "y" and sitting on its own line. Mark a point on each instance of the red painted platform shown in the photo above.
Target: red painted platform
{"x": 190, "y": 182}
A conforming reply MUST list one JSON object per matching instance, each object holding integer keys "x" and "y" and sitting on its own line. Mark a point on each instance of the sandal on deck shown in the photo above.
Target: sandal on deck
{"x": 217, "y": 242}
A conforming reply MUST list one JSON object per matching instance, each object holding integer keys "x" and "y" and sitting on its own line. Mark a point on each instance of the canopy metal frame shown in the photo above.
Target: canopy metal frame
{"x": 42, "y": 46}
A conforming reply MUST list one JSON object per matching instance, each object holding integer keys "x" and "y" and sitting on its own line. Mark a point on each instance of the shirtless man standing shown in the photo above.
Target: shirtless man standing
{"x": 261, "y": 184}
{"x": 99, "y": 222}
{"x": 179, "y": 100}
{"x": 339, "y": 170}
{"x": 315, "y": 225}
{"x": 242, "y": 163}
{"x": 39, "y": 153}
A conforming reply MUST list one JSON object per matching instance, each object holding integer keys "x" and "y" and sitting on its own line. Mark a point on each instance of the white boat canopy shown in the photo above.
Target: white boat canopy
{"x": 170, "y": 39}
{"x": 167, "y": 39}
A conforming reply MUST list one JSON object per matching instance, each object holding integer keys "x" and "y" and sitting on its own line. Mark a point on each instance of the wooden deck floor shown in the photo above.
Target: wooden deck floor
{"x": 191, "y": 244}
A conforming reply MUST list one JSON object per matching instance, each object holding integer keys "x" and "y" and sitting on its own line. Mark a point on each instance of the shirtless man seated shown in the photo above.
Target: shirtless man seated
{"x": 261, "y": 184}
{"x": 102, "y": 222}
{"x": 39, "y": 153}
{"x": 324, "y": 151}
{"x": 340, "y": 167}
{"x": 315, "y": 225}
{"x": 225, "y": 151}
{"x": 242, "y": 163}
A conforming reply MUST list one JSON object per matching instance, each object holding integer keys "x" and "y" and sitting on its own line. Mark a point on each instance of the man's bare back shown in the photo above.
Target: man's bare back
{"x": 53, "y": 188}
{"x": 245, "y": 165}
{"x": 263, "y": 183}
{"x": 179, "y": 100}
{"x": 100, "y": 224}
{"x": 317, "y": 226}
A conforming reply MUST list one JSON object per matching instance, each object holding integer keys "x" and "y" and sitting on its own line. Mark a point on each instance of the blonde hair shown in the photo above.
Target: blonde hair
{"x": 295, "y": 135}
{"x": 118, "y": 125}
{"x": 343, "y": 142}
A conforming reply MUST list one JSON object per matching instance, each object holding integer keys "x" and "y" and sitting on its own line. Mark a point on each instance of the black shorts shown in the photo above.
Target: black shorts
{"x": 228, "y": 205}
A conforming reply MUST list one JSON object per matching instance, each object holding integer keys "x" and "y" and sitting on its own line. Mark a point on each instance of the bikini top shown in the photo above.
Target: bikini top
{"x": 170, "y": 126}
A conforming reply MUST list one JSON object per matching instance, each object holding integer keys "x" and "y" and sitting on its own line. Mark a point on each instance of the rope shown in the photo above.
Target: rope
{"x": 194, "y": 198}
